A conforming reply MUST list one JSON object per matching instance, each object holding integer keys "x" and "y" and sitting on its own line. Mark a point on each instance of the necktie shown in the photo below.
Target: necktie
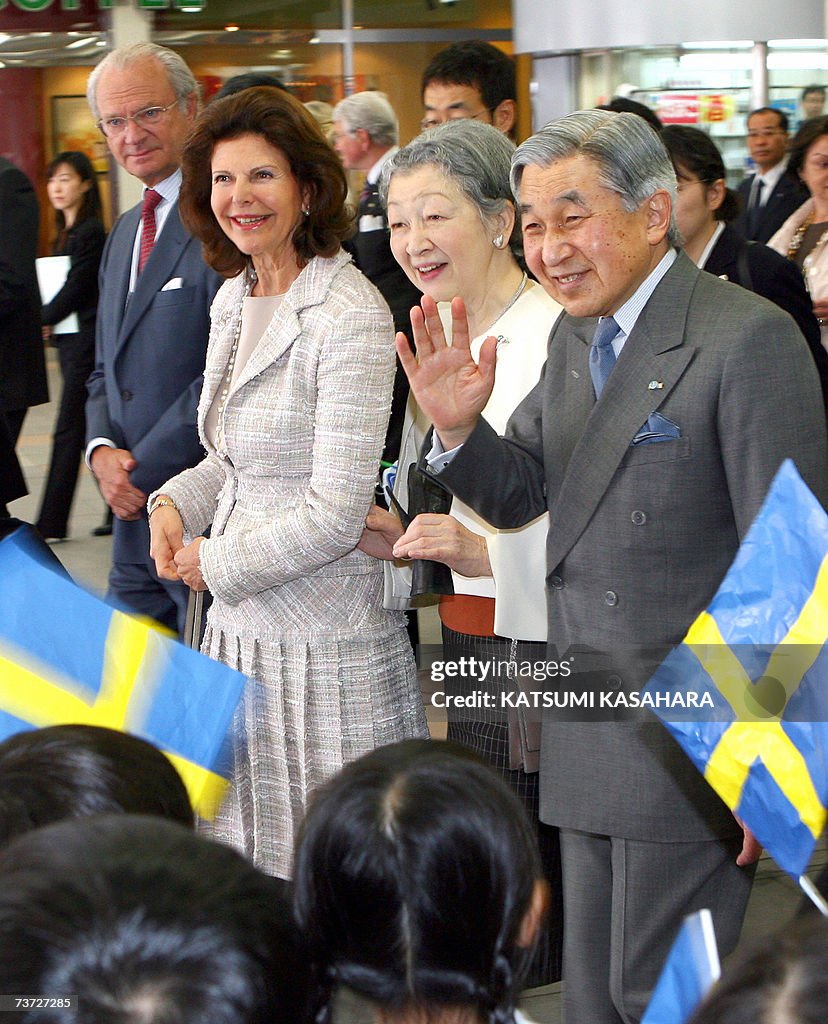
{"x": 151, "y": 200}
{"x": 601, "y": 355}
{"x": 755, "y": 211}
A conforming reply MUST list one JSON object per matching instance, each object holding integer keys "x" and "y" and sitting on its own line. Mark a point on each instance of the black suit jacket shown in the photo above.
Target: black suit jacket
{"x": 22, "y": 362}
{"x": 762, "y": 270}
{"x": 371, "y": 250}
{"x": 788, "y": 196}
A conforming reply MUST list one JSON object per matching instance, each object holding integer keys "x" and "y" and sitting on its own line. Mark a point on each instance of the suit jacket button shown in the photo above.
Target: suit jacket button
{"x": 556, "y": 582}
{"x": 639, "y": 517}
{"x": 126, "y": 395}
{"x": 611, "y": 598}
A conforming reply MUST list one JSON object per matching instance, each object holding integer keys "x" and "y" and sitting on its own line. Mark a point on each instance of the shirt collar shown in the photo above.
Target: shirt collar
{"x": 710, "y": 244}
{"x": 629, "y": 313}
{"x": 372, "y": 177}
{"x": 169, "y": 188}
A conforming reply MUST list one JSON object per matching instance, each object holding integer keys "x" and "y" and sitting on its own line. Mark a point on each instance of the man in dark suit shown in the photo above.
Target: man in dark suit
{"x": 772, "y": 194}
{"x": 650, "y": 487}
{"x": 365, "y": 133}
{"x": 22, "y": 362}
{"x": 153, "y": 317}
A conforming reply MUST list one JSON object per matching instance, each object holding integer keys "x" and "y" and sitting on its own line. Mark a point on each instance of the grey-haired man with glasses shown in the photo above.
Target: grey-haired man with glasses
{"x": 153, "y": 316}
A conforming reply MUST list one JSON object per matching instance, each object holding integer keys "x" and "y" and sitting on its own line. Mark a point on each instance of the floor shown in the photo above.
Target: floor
{"x": 774, "y": 895}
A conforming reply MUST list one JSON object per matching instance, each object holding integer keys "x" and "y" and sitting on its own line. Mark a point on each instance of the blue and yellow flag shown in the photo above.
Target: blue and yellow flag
{"x": 66, "y": 657}
{"x": 754, "y": 669}
{"x": 691, "y": 968}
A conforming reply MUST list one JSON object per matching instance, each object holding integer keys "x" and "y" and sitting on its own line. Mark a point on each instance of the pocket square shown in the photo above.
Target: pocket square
{"x": 173, "y": 283}
{"x": 657, "y": 428}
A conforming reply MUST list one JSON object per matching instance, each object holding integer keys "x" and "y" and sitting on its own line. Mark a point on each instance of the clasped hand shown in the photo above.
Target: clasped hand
{"x": 437, "y": 538}
{"x": 175, "y": 560}
{"x": 450, "y": 388}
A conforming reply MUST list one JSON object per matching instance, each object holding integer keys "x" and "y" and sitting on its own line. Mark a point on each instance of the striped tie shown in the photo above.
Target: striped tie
{"x": 151, "y": 200}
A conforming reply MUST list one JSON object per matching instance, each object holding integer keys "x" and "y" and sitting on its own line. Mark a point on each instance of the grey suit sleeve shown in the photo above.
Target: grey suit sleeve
{"x": 502, "y": 478}
{"x": 770, "y": 409}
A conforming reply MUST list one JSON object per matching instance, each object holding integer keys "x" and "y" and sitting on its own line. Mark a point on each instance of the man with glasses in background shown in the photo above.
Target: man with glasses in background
{"x": 770, "y": 195}
{"x": 153, "y": 317}
{"x": 471, "y": 79}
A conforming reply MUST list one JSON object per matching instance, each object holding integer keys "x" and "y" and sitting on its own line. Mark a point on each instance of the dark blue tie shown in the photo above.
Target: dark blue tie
{"x": 601, "y": 355}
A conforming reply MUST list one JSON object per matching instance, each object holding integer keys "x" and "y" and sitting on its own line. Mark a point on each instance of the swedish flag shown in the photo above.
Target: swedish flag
{"x": 67, "y": 657}
{"x": 759, "y": 654}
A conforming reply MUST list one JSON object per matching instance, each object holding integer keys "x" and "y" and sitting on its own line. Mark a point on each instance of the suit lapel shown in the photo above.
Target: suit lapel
{"x": 119, "y": 263}
{"x": 722, "y": 259}
{"x": 651, "y": 363}
{"x": 157, "y": 270}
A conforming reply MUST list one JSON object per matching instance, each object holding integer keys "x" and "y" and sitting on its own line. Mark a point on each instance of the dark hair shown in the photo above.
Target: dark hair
{"x": 784, "y": 976}
{"x": 72, "y": 771}
{"x": 91, "y": 202}
{"x": 694, "y": 151}
{"x": 807, "y": 135}
{"x": 248, "y": 80}
{"x": 283, "y": 122}
{"x": 145, "y": 923}
{"x": 813, "y": 88}
{"x": 622, "y": 105}
{"x": 477, "y": 64}
{"x": 783, "y": 117}
{"x": 415, "y": 867}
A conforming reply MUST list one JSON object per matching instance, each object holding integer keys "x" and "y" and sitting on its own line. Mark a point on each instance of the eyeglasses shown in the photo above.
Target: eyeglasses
{"x": 149, "y": 117}
{"x": 685, "y": 183}
{"x": 453, "y": 115}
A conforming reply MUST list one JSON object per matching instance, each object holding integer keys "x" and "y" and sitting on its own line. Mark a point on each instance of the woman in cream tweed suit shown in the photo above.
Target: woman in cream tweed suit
{"x": 293, "y": 415}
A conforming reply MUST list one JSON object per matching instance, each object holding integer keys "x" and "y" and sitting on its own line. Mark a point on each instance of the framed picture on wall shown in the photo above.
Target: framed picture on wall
{"x": 74, "y": 128}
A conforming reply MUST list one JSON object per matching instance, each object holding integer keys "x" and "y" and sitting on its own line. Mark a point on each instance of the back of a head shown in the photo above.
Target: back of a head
{"x": 372, "y": 112}
{"x": 415, "y": 868}
{"x": 73, "y": 771}
{"x": 477, "y": 64}
{"x": 782, "y": 979}
{"x": 624, "y": 105}
{"x": 248, "y": 80}
{"x": 693, "y": 152}
{"x": 146, "y": 923}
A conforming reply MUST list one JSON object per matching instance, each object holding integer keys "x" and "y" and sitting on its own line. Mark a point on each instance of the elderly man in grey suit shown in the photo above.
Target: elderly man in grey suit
{"x": 153, "y": 317}
{"x": 652, "y": 438}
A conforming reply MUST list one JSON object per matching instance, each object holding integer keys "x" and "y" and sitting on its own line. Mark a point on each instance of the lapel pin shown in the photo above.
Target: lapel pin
{"x": 576, "y": 375}
{"x": 656, "y": 385}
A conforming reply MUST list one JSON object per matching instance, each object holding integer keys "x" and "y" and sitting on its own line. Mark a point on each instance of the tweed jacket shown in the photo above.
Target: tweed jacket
{"x": 304, "y": 422}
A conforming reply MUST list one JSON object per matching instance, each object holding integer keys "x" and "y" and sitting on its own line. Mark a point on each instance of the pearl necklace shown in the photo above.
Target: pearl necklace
{"x": 231, "y": 364}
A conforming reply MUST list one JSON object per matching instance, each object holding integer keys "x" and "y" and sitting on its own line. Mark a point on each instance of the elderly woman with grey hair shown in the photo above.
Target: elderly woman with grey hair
{"x": 453, "y": 231}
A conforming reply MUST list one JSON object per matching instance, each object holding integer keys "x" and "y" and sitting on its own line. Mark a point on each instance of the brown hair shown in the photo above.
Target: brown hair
{"x": 808, "y": 133}
{"x": 283, "y": 122}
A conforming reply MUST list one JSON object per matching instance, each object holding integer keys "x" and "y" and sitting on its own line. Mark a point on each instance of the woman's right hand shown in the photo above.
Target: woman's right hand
{"x": 382, "y": 531}
{"x": 441, "y": 538}
{"x": 166, "y": 540}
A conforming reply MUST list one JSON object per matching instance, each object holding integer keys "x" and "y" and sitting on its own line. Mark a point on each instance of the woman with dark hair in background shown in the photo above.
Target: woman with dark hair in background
{"x": 704, "y": 206}
{"x": 293, "y": 412}
{"x": 418, "y": 886}
{"x": 803, "y": 237}
{"x": 72, "y": 187}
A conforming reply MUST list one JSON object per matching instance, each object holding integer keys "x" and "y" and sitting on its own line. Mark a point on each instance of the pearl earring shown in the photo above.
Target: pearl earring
{"x": 497, "y": 241}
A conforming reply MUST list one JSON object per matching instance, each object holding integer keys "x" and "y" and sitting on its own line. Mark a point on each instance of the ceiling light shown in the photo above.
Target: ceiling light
{"x": 76, "y": 43}
{"x": 231, "y": 28}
